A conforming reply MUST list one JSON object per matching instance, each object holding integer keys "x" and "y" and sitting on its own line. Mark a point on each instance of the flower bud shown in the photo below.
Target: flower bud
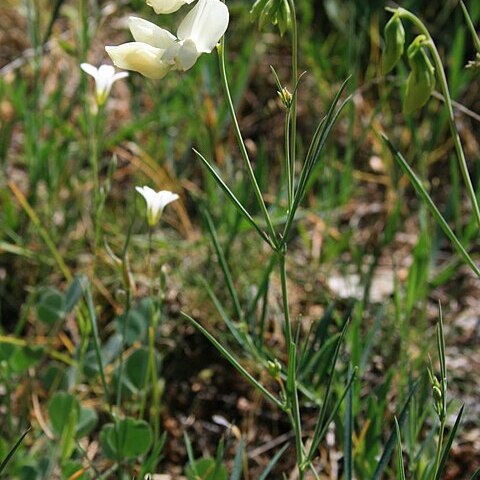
{"x": 274, "y": 369}
{"x": 276, "y": 12}
{"x": 286, "y": 97}
{"x": 394, "y": 43}
{"x": 421, "y": 80}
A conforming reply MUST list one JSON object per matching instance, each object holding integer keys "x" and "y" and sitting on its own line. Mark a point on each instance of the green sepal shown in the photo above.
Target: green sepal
{"x": 394, "y": 43}
{"x": 421, "y": 80}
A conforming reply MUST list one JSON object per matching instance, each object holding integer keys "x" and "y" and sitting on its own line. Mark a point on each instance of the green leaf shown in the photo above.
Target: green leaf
{"x": 134, "y": 325}
{"x": 238, "y": 462}
{"x": 129, "y": 439}
{"x": 11, "y": 453}
{"x": 135, "y": 373}
{"x": 24, "y": 358}
{"x": 235, "y": 362}
{"x": 87, "y": 421}
{"x": 73, "y": 294}
{"x": 448, "y": 445}
{"x": 420, "y": 189}
{"x": 206, "y": 469}
{"x": 63, "y": 411}
{"x": 50, "y": 306}
{"x": 273, "y": 462}
{"x": 60, "y": 410}
{"x": 400, "y": 466}
{"x": 389, "y": 446}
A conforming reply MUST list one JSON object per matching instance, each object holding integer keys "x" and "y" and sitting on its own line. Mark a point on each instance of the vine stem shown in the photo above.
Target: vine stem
{"x": 430, "y": 44}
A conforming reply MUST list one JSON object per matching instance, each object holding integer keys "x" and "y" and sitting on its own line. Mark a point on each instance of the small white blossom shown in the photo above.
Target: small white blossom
{"x": 105, "y": 77}
{"x": 156, "y": 202}
{"x": 156, "y": 51}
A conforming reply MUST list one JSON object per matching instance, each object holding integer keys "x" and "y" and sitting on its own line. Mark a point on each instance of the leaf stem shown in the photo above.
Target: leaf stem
{"x": 241, "y": 143}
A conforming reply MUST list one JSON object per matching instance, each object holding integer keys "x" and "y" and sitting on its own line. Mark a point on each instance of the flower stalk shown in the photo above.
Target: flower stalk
{"x": 430, "y": 44}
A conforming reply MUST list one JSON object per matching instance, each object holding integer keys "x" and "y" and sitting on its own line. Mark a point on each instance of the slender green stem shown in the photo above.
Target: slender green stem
{"x": 288, "y": 159}
{"x": 439, "y": 448}
{"x": 121, "y": 360}
{"x": 96, "y": 135}
{"x": 291, "y": 391}
{"x": 151, "y": 343}
{"x": 241, "y": 143}
{"x": 293, "y": 107}
{"x": 283, "y": 277}
{"x": 448, "y": 103}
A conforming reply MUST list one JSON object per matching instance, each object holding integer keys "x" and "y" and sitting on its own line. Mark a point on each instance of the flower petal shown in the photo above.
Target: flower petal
{"x": 167, "y": 6}
{"x": 187, "y": 55}
{"x": 148, "y": 32}
{"x": 104, "y": 79}
{"x": 139, "y": 57}
{"x": 89, "y": 69}
{"x": 205, "y": 24}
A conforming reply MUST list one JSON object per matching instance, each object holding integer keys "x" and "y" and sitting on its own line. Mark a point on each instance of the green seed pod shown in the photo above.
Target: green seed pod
{"x": 421, "y": 80}
{"x": 394, "y": 43}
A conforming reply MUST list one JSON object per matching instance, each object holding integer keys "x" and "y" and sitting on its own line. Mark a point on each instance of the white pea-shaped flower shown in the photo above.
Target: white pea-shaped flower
{"x": 156, "y": 51}
{"x": 104, "y": 77}
{"x": 156, "y": 202}
{"x": 167, "y": 6}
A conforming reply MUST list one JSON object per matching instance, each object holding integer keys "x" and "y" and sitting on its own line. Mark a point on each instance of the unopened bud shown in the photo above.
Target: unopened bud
{"x": 421, "y": 80}
{"x": 286, "y": 97}
{"x": 394, "y": 43}
{"x": 274, "y": 369}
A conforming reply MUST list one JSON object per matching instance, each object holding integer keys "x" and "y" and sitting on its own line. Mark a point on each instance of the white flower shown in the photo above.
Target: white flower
{"x": 167, "y": 6}
{"x": 156, "y": 51}
{"x": 105, "y": 77}
{"x": 156, "y": 202}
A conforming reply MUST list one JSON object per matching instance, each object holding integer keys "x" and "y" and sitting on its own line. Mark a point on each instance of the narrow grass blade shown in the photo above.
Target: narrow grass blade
{"x": 191, "y": 458}
{"x": 448, "y": 445}
{"x": 239, "y": 336}
{"x": 263, "y": 287}
{"x": 234, "y": 362}
{"x": 387, "y": 452}
{"x": 223, "y": 265}
{"x": 11, "y": 453}
{"x": 293, "y": 398}
{"x": 333, "y": 412}
{"x": 231, "y": 196}
{"x": 318, "y": 142}
{"x": 400, "y": 466}
{"x": 323, "y": 412}
{"x": 348, "y": 457}
{"x": 420, "y": 189}
{"x": 272, "y": 463}
{"x": 476, "y": 475}
{"x": 96, "y": 338}
{"x": 470, "y": 26}
{"x": 238, "y": 461}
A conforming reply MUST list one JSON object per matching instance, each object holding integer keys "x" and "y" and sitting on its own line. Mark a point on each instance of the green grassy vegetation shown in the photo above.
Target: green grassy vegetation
{"x": 307, "y": 308}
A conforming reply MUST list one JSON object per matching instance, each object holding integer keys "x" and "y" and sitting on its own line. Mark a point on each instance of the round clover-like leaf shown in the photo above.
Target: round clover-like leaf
{"x": 50, "y": 306}
{"x": 206, "y": 469}
{"x": 129, "y": 439}
{"x": 60, "y": 410}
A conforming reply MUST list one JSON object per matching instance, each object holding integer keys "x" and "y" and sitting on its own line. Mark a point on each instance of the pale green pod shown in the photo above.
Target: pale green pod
{"x": 394, "y": 43}
{"x": 421, "y": 80}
